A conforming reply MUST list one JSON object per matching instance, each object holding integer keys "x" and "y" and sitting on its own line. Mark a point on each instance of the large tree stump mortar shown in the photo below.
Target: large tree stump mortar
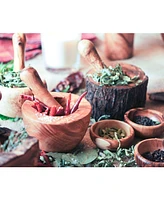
{"x": 112, "y": 100}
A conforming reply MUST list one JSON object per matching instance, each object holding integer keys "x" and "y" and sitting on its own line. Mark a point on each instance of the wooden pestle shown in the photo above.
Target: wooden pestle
{"x": 19, "y": 43}
{"x": 87, "y": 49}
{"x": 32, "y": 79}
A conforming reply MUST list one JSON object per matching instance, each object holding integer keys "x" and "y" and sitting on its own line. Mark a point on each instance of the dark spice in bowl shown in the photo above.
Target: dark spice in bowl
{"x": 155, "y": 156}
{"x": 146, "y": 121}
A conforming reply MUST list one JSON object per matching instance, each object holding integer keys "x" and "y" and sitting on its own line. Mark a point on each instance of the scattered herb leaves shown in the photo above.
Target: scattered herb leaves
{"x": 123, "y": 157}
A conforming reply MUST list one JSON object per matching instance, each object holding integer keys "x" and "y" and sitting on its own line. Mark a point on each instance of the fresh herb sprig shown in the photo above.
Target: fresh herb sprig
{"x": 123, "y": 157}
{"x": 12, "y": 119}
{"x": 6, "y": 67}
{"x": 9, "y": 78}
{"x": 113, "y": 76}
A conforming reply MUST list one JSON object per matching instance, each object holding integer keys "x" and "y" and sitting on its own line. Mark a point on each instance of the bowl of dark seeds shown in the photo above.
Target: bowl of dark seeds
{"x": 147, "y": 123}
{"x": 150, "y": 153}
{"x": 111, "y": 134}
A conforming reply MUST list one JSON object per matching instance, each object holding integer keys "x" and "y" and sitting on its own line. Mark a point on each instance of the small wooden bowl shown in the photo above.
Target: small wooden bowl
{"x": 145, "y": 131}
{"x": 148, "y": 145}
{"x": 57, "y": 133}
{"x": 111, "y": 144}
{"x": 11, "y": 101}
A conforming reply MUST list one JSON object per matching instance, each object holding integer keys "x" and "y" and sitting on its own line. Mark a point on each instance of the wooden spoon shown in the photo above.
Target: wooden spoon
{"x": 87, "y": 49}
{"x": 32, "y": 79}
{"x": 19, "y": 42}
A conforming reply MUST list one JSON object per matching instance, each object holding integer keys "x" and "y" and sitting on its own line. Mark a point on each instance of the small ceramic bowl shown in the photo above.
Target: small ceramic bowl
{"x": 57, "y": 133}
{"x": 111, "y": 144}
{"x": 148, "y": 145}
{"x": 145, "y": 131}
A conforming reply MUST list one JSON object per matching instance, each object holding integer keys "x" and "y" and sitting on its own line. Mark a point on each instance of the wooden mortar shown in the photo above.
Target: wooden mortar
{"x": 118, "y": 46}
{"x": 55, "y": 133}
{"x": 112, "y": 100}
{"x": 11, "y": 102}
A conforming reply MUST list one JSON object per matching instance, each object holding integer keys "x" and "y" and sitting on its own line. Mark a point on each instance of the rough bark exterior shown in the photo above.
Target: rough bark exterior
{"x": 116, "y": 100}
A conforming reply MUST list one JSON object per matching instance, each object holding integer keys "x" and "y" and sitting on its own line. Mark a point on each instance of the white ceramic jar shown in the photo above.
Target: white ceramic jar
{"x": 60, "y": 50}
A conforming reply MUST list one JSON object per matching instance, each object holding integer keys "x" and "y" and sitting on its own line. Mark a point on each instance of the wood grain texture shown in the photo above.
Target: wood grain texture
{"x": 145, "y": 131}
{"x": 118, "y": 46}
{"x": 87, "y": 49}
{"x": 33, "y": 81}
{"x": 19, "y": 43}
{"x": 111, "y": 144}
{"x": 116, "y": 100}
{"x": 60, "y": 133}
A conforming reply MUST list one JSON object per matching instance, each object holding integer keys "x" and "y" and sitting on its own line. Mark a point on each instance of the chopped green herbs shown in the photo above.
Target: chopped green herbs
{"x": 113, "y": 76}
{"x": 112, "y": 133}
{"x": 9, "y": 78}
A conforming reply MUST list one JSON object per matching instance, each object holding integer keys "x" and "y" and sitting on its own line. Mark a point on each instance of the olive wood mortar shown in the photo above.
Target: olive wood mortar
{"x": 25, "y": 154}
{"x": 57, "y": 133}
{"x": 112, "y": 100}
{"x": 10, "y": 101}
{"x": 148, "y": 145}
{"x": 111, "y": 144}
{"x": 145, "y": 131}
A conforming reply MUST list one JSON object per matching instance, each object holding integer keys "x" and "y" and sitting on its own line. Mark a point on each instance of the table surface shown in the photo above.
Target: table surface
{"x": 148, "y": 54}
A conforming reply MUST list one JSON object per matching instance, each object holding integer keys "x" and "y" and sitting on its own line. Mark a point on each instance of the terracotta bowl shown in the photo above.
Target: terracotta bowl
{"x": 148, "y": 145}
{"x": 145, "y": 131}
{"x": 58, "y": 133}
{"x": 111, "y": 144}
{"x": 11, "y": 102}
{"x": 26, "y": 154}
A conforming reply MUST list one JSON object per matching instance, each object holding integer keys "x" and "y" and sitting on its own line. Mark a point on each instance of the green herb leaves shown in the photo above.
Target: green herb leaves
{"x": 12, "y": 119}
{"x": 112, "y": 133}
{"x": 93, "y": 158}
{"x": 113, "y": 76}
{"x": 9, "y": 78}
